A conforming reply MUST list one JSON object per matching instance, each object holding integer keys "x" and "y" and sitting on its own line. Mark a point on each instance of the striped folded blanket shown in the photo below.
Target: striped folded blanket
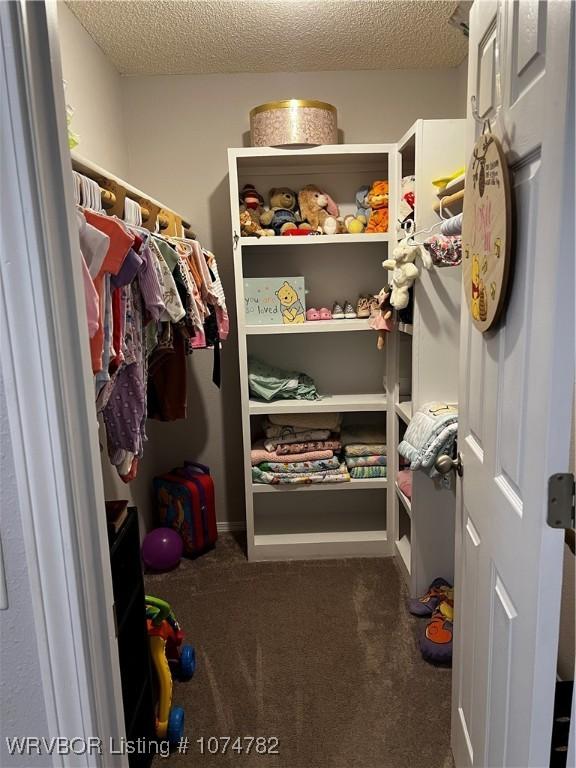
{"x": 366, "y": 473}
{"x": 294, "y": 467}
{"x": 312, "y": 478}
{"x": 366, "y": 461}
{"x": 365, "y": 449}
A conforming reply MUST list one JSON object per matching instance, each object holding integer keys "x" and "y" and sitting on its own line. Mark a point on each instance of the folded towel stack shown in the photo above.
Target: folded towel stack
{"x": 364, "y": 450}
{"x": 299, "y": 449}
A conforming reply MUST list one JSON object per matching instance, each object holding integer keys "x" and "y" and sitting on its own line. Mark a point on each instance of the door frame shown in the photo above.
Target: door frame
{"x": 49, "y": 392}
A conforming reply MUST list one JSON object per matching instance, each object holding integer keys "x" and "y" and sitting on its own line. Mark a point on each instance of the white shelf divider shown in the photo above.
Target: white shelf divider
{"x": 311, "y": 240}
{"x": 310, "y": 326}
{"x": 406, "y": 503}
{"x": 327, "y": 404}
{"x": 404, "y": 410}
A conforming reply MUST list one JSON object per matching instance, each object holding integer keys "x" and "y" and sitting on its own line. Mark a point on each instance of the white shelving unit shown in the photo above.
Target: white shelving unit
{"x": 427, "y": 352}
{"x": 348, "y": 369}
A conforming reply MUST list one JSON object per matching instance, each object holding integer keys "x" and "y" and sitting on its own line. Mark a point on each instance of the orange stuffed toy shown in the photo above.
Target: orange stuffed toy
{"x": 377, "y": 200}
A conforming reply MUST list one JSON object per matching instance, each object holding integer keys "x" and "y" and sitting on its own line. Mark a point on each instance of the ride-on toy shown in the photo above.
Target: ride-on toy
{"x": 169, "y": 657}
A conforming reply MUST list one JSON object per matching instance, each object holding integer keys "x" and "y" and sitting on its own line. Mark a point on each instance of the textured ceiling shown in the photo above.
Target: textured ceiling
{"x": 155, "y": 37}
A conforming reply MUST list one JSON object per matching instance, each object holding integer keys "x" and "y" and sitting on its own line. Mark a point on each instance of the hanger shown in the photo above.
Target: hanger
{"x": 408, "y": 227}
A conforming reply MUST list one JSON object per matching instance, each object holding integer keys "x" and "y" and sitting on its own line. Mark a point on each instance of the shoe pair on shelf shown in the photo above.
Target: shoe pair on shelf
{"x": 437, "y": 605}
{"x": 338, "y": 313}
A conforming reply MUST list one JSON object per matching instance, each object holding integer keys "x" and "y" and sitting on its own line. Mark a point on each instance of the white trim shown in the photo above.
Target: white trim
{"x": 49, "y": 392}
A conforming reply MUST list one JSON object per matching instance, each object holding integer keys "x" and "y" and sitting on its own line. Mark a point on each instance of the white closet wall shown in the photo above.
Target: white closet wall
{"x": 178, "y": 152}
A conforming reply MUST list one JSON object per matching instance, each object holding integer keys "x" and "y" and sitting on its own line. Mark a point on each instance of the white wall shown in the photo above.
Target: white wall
{"x": 179, "y": 131}
{"x": 93, "y": 88}
{"x": 168, "y": 135}
{"x": 23, "y": 713}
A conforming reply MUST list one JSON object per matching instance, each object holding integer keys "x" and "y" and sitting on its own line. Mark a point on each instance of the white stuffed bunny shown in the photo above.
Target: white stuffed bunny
{"x": 404, "y": 271}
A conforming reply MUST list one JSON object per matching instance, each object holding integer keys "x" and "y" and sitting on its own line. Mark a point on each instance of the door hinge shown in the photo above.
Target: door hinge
{"x": 235, "y": 239}
{"x": 561, "y": 500}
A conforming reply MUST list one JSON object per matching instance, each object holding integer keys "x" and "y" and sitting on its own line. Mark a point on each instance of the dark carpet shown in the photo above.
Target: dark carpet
{"x": 320, "y": 654}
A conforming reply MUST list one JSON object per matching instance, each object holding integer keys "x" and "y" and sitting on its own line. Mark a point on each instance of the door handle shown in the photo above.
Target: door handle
{"x": 444, "y": 464}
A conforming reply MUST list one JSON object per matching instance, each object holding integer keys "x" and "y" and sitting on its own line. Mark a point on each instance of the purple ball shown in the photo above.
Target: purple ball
{"x": 162, "y": 549}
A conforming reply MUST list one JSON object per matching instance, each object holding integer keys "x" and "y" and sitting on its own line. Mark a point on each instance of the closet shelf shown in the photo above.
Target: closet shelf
{"x": 314, "y": 240}
{"x": 404, "y": 410}
{"x": 406, "y": 328}
{"x": 370, "y": 484}
{"x": 406, "y": 503}
{"x": 403, "y": 548}
{"x": 327, "y": 404}
{"x": 311, "y": 326}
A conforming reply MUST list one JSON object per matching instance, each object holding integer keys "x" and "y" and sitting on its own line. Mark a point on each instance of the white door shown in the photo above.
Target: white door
{"x": 515, "y": 399}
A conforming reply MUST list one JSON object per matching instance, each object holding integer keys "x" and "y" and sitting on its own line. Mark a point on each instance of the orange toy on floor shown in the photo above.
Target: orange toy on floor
{"x": 377, "y": 200}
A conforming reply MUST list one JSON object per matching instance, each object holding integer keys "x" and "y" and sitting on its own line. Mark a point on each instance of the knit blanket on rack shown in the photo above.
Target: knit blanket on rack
{"x": 258, "y": 454}
{"x": 366, "y": 461}
{"x": 367, "y": 473}
{"x": 430, "y": 433}
{"x": 312, "y": 478}
{"x": 294, "y": 467}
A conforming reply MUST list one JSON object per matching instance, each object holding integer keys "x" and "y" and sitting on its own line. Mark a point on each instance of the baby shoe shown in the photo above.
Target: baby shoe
{"x": 325, "y": 313}
{"x": 373, "y": 304}
{"x": 438, "y": 591}
{"x": 349, "y": 312}
{"x": 337, "y": 311}
{"x": 312, "y": 314}
{"x": 436, "y": 640}
{"x": 363, "y": 306}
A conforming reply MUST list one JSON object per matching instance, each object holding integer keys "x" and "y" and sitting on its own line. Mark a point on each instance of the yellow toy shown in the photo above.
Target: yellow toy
{"x": 355, "y": 224}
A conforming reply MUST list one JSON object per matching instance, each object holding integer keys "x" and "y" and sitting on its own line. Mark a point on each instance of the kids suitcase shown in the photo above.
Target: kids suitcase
{"x": 185, "y": 499}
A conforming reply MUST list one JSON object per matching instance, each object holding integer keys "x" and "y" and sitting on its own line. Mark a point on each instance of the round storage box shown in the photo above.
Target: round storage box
{"x": 293, "y": 122}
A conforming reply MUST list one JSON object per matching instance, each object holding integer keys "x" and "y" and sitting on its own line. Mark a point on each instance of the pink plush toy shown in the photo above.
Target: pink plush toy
{"x": 381, "y": 317}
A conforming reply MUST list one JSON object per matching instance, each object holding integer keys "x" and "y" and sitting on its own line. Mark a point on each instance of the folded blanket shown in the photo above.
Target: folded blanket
{"x": 282, "y": 435}
{"x": 300, "y": 466}
{"x": 430, "y": 433}
{"x": 270, "y": 383}
{"x": 366, "y": 461}
{"x": 278, "y": 478}
{"x": 363, "y": 434}
{"x": 364, "y": 473}
{"x": 404, "y": 481}
{"x": 260, "y": 454}
{"x": 364, "y": 449}
{"x": 314, "y": 445}
{"x": 331, "y": 421}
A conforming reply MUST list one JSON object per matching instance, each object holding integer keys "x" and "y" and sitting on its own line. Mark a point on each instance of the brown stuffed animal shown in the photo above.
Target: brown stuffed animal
{"x": 283, "y": 214}
{"x": 377, "y": 200}
{"x": 319, "y": 210}
{"x": 251, "y": 210}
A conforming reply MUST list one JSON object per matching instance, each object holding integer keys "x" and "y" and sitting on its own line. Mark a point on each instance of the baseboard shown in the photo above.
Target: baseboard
{"x": 227, "y": 526}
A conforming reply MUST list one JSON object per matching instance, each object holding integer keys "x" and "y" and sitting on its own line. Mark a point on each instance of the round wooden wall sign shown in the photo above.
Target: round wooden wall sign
{"x": 486, "y": 230}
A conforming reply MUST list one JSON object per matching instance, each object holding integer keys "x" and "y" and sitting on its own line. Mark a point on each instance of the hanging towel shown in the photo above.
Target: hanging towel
{"x": 430, "y": 433}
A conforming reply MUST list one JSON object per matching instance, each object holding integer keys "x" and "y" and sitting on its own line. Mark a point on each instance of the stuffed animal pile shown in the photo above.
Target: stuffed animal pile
{"x": 311, "y": 211}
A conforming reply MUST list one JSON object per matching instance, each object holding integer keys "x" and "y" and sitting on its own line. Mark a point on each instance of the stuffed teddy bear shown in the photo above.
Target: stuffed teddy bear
{"x": 251, "y": 209}
{"x": 404, "y": 272}
{"x": 377, "y": 199}
{"x": 319, "y": 210}
{"x": 381, "y": 316}
{"x": 283, "y": 214}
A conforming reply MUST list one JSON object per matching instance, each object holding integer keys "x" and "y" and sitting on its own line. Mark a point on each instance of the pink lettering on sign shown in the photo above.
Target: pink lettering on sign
{"x": 484, "y": 224}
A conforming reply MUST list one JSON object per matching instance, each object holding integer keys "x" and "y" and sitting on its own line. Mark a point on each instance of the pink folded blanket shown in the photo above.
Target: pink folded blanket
{"x": 404, "y": 480}
{"x": 259, "y": 454}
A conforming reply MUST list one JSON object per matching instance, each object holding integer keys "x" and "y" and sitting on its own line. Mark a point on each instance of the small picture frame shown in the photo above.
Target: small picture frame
{"x": 274, "y": 300}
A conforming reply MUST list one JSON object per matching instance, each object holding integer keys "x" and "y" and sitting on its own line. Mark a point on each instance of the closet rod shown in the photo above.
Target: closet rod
{"x": 449, "y": 200}
{"x": 111, "y": 184}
